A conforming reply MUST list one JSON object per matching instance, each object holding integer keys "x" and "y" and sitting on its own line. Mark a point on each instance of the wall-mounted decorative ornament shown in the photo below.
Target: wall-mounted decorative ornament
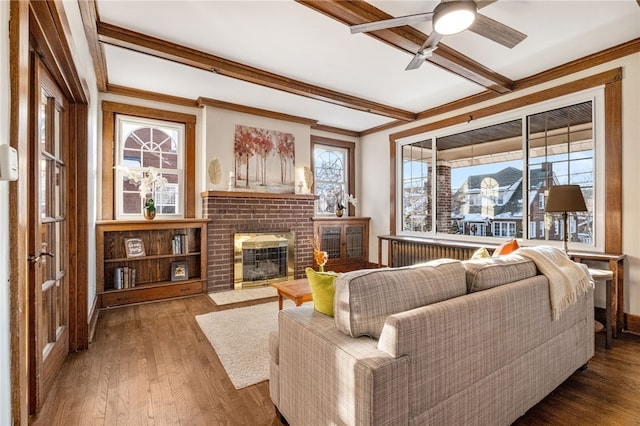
{"x": 308, "y": 178}
{"x": 215, "y": 172}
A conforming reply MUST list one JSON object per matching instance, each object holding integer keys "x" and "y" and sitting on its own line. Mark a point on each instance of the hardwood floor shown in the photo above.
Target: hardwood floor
{"x": 151, "y": 364}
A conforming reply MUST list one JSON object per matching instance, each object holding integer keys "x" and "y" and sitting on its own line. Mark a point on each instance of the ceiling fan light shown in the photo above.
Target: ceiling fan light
{"x": 453, "y": 17}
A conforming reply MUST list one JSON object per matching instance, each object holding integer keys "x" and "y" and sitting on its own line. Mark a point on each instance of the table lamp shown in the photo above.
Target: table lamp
{"x": 564, "y": 199}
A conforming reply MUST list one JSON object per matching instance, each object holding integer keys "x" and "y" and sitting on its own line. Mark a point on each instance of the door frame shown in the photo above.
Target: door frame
{"x": 44, "y": 24}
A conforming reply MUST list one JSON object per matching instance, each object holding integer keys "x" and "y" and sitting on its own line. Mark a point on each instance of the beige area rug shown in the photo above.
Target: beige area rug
{"x": 235, "y": 296}
{"x": 240, "y": 337}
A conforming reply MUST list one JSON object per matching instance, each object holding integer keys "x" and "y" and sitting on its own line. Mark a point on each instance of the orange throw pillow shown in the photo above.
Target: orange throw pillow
{"x": 506, "y": 248}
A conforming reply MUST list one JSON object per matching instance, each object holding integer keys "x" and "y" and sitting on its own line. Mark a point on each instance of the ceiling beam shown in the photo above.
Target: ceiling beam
{"x": 89, "y": 16}
{"x": 163, "y": 49}
{"x": 409, "y": 39}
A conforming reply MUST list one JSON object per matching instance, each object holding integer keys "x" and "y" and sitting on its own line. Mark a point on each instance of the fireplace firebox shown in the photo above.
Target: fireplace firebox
{"x": 261, "y": 258}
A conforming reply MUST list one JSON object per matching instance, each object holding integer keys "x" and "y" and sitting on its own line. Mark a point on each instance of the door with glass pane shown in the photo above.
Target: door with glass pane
{"x": 48, "y": 247}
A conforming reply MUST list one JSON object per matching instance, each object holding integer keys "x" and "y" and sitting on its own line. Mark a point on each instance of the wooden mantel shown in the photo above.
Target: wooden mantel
{"x": 248, "y": 194}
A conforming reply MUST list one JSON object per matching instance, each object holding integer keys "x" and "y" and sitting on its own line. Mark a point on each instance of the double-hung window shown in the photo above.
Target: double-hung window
{"x": 333, "y": 166}
{"x": 142, "y": 146}
{"x": 489, "y": 179}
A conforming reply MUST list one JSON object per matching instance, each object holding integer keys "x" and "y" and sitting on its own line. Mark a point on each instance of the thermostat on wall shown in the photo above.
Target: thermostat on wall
{"x": 8, "y": 163}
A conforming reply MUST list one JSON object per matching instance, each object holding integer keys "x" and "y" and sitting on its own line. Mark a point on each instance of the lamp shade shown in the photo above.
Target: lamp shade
{"x": 453, "y": 17}
{"x": 565, "y": 198}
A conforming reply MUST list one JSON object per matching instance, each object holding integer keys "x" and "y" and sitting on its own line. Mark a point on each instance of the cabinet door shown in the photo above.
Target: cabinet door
{"x": 331, "y": 241}
{"x": 355, "y": 240}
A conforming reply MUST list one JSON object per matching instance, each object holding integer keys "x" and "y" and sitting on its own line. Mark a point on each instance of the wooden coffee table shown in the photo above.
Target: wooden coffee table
{"x": 296, "y": 290}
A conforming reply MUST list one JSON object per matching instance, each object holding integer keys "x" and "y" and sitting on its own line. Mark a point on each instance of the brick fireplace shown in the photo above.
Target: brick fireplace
{"x": 253, "y": 212}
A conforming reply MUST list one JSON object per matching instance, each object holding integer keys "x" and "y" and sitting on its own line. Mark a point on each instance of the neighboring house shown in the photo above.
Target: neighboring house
{"x": 491, "y": 205}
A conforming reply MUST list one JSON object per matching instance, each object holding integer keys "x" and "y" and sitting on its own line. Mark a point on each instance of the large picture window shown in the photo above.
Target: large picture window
{"x": 490, "y": 181}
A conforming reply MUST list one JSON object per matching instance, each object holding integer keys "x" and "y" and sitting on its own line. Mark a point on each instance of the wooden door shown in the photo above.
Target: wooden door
{"x": 48, "y": 235}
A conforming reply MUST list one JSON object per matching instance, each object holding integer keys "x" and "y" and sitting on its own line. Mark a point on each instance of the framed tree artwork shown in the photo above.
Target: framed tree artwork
{"x": 264, "y": 160}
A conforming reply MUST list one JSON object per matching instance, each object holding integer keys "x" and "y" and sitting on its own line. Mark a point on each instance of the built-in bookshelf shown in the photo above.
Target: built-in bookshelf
{"x": 141, "y": 261}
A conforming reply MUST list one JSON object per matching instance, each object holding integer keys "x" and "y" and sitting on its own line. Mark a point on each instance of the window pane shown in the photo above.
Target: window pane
{"x": 330, "y": 177}
{"x": 417, "y": 160}
{"x": 485, "y": 183}
{"x": 561, "y": 153}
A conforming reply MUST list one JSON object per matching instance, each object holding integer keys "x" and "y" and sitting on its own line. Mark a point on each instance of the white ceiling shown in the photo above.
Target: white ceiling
{"x": 294, "y": 41}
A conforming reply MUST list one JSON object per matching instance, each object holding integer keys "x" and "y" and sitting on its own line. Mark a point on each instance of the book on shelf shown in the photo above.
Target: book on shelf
{"x": 180, "y": 244}
{"x": 132, "y": 277}
{"x": 124, "y": 277}
{"x": 118, "y": 278}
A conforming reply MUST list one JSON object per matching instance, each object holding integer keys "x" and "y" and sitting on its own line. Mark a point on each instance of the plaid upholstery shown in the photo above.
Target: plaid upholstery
{"x": 274, "y": 360}
{"x": 365, "y": 298}
{"x": 483, "y": 358}
{"x": 453, "y": 345}
{"x": 328, "y": 378}
{"x": 483, "y": 274}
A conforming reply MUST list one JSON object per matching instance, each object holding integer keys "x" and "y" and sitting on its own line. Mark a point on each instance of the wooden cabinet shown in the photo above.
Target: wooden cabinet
{"x": 346, "y": 241}
{"x": 163, "y": 246}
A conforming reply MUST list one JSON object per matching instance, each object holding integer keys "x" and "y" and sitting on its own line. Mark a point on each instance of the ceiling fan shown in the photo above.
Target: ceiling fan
{"x": 449, "y": 17}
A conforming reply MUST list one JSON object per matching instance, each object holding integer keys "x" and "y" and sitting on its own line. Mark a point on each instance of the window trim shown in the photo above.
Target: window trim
{"x": 612, "y": 191}
{"x": 351, "y": 155}
{"x": 109, "y": 112}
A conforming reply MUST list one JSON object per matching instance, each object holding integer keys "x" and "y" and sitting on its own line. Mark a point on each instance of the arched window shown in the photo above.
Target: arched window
{"x": 333, "y": 163}
{"x": 149, "y": 164}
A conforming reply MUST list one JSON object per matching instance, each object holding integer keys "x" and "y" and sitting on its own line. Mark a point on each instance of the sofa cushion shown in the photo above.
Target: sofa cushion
{"x": 322, "y": 289}
{"x": 505, "y": 248}
{"x": 481, "y": 253}
{"x": 365, "y": 298}
{"x": 483, "y": 274}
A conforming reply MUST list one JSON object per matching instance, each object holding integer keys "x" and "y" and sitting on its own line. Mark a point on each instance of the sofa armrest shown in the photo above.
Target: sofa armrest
{"x": 327, "y": 377}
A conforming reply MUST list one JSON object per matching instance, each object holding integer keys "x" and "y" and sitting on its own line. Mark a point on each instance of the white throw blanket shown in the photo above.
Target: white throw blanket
{"x": 567, "y": 279}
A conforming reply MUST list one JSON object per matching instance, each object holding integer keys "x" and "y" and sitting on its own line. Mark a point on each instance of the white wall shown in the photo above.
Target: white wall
{"x": 375, "y": 193}
{"x": 5, "y": 371}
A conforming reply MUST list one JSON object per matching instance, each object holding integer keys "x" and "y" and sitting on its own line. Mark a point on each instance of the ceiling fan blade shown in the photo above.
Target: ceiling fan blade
{"x": 430, "y": 44}
{"x": 484, "y": 3}
{"x": 496, "y": 31}
{"x": 391, "y": 23}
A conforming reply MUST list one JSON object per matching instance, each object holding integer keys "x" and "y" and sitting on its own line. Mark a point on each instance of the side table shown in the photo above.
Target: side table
{"x": 296, "y": 290}
{"x": 599, "y": 275}
{"x": 616, "y": 265}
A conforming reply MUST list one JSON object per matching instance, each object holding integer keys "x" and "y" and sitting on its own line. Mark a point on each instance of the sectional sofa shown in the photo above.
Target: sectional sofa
{"x": 441, "y": 343}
